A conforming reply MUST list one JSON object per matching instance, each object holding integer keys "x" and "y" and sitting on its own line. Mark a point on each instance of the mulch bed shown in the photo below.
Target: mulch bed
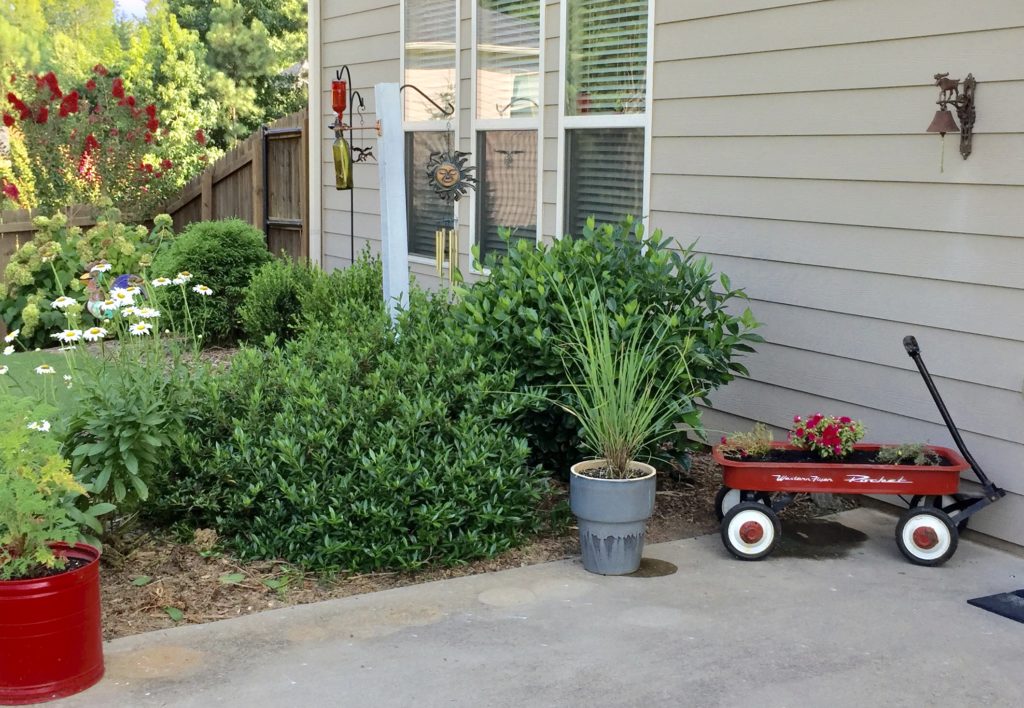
{"x": 154, "y": 583}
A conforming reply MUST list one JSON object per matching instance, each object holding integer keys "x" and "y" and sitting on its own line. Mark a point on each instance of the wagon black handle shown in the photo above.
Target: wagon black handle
{"x": 910, "y": 344}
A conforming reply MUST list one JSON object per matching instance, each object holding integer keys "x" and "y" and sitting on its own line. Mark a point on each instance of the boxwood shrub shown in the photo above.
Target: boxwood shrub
{"x": 359, "y": 446}
{"x": 517, "y": 318}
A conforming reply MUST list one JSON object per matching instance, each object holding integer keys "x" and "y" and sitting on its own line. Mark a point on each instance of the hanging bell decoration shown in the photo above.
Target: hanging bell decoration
{"x": 342, "y": 163}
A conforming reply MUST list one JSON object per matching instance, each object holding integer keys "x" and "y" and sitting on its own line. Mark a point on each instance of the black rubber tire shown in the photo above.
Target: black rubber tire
{"x": 937, "y": 502}
{"x": 938, "y": 516}
{"x": 766, "y": 515}
{"x": 762, "y": 497}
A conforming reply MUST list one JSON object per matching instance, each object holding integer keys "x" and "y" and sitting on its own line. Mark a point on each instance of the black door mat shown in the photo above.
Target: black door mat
{"x": 1005, "y": 604}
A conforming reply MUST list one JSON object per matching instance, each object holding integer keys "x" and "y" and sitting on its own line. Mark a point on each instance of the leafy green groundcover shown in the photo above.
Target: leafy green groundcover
{"x": 352, "y": 449}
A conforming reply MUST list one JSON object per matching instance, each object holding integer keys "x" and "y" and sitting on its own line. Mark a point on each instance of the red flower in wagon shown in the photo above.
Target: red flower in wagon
{"x": 20, "y": 106}
{"x": 8, "y": 120}
{"x": 90, "y": 85}
{"x": 828, "y": 436}
{"x": 151, "y": 110}
{"x": 100, "y": 70}
{"x": 117, "y": 90}
{"x": 166, "y": 164}
{"x": 201, "y": 137}
{"x": 149, "y": 137}
{"x": 152, "y": 125}
{"x": 43, "y": 115}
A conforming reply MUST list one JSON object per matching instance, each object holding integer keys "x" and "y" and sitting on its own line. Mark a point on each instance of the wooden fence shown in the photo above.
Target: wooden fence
{"x": 262, "y": 180}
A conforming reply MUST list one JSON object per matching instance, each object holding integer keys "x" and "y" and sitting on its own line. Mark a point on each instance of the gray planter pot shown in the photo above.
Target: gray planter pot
{"x": 612, "y": 517}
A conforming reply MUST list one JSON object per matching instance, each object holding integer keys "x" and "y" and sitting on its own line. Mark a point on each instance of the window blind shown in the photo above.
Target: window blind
{"x": 605, "y": 175}
{"x": 426, "y": 212}
{"x": 606, "y": 59}
{"x": 430, "y": 30}
{"x": 507, "y": 197}
{"x": 508, "y": 58}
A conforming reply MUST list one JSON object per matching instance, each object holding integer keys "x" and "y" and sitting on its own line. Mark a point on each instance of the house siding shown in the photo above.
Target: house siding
{"x": 788, "y": 137}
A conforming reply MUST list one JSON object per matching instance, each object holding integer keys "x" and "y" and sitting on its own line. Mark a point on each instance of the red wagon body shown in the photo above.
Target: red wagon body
{"x": 844, "y": 478}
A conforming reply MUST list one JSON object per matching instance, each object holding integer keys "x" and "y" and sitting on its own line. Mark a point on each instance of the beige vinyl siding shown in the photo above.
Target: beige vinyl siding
{"x": 789, "y": 138}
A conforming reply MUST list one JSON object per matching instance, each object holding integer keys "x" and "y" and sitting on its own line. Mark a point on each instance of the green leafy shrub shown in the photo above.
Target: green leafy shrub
{"x": 908, "y": 454}
{"x": 52, "y": 263}
{"x": 38, "y": 494}
{"x": 517, "y": 317}
{"x": 755, "y": 443}
{"x": 284, "y": 297}
{"x": 353, "y": 448}
{"x": 222, "y": 255}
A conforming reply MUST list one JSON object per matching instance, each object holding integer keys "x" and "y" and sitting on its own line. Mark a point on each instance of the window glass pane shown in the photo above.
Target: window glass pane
{"x": 605, "y": 175}
{"x": 426, "y": 211}
{"x": 508, "y": 58}
{"x": 429, "y": 56}
{"x": 507, "y": 196}
{"x": 606, "y": 59}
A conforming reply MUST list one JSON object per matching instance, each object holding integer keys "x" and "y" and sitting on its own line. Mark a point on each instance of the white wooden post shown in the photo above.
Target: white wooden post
{"x": 393, "y": 223}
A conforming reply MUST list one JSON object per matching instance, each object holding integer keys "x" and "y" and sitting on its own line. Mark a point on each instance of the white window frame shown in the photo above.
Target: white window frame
{"x": 478, "y": 125}
{"x": 614, "y": 120}
{"x": 418, "y": 126}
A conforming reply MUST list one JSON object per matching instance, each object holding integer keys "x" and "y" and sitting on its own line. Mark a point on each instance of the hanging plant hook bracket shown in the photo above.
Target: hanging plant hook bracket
{"x": 446, "y": 112}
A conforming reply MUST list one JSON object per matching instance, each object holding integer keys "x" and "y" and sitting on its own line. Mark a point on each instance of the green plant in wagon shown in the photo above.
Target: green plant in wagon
{"x": 40, "y": 499}
{"x": 756, "y": 443}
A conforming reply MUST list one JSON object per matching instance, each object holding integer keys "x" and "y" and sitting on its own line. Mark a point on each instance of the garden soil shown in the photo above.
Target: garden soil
{"x": 152, "y": 582}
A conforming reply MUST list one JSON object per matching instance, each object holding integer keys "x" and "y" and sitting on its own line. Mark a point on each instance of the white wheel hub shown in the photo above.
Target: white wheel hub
{"x": 751, "y": 532}
{"x": 731, "y": 499}
{"x": 926, "y": 537}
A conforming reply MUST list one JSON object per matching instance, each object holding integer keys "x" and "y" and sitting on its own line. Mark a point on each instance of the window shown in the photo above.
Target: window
{"x": 430, "y": 63}
{"x": 604, "y": 110}
{"x": 507, "y": 197}
{"x": 506, "y": 120}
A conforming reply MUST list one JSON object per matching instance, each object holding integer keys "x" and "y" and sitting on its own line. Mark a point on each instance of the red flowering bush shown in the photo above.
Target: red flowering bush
{"x": 830, "y": 436}
{"x": 87, "y": 144}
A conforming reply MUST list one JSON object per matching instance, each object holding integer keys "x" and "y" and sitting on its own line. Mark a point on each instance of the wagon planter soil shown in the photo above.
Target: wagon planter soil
{"x": 50, "y": 636}
{"x": 755, "y": 489}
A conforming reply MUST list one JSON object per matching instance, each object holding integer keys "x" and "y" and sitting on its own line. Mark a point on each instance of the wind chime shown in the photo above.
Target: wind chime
{"x": 449, "y": 175}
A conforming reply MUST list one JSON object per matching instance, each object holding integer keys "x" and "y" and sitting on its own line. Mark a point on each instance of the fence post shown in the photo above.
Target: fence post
{"x": 259, "y": 185}
{"x": 206, "y": 195}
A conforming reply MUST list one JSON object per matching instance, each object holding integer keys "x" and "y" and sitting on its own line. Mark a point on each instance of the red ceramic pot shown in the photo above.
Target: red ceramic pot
{"x": 51, "y": 644}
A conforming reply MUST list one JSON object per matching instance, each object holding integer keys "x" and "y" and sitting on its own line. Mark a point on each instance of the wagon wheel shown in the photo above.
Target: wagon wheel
{"x": 727, "y": 498}
{"x": 750, "y": 530}
{"x": 952, "y": 504}
{"x": 926, "y": 536}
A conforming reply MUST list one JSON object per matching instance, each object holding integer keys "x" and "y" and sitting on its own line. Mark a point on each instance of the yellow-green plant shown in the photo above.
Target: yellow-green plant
{"x": 626, "y": 399}
{"x": 38, "y": 495}
{"x": 907, "y": 454}
{"x": 754, "y": 443}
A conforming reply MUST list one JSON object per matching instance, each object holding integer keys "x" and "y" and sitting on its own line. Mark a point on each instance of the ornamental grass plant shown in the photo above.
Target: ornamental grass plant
{"x": 629, "y": 392}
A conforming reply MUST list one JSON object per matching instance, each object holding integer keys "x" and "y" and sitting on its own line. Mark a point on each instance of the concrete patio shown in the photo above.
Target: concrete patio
{"x": 847, "y": 623}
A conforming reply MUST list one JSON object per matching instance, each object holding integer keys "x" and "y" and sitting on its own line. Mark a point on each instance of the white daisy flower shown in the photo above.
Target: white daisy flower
{"x": 44, "y": 369}
{"x": 67, "y": 378}
{"x": 68, "y": 336}
{"x": 161, "y": 282}
{"x": 8, "y": 350}
{"x": 11, "y": 336}
{"x": 185, "y": 276}
{"x": 140, "y": 328}
{"x": 130, "y": 311}
{"x": 179, "y": 281}
{"x": 121, "y": 296}
{"x": 100, "y": 268}
{"x": 3, "y": 370}
{"x": 111, "y": 304}
{"x": 133, "y": 290}
{"x": 147, "y": 313}
{"x": 43, "y": 426}
{"x": 94, "y": 334}
{"x": 68, "y": 348}
{"x": 202, "y": 290}
{"x": 62, "y": 302}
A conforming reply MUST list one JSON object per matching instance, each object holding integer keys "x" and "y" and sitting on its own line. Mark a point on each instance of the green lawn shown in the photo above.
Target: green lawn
{"x": 22, "y": 380}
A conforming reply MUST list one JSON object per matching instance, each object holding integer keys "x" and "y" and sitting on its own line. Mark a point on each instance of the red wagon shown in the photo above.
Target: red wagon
{"x": 928, "y": 531}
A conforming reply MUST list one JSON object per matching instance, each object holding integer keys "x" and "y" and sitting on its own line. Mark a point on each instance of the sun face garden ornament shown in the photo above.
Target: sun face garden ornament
{"x": 449, "y": 175}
